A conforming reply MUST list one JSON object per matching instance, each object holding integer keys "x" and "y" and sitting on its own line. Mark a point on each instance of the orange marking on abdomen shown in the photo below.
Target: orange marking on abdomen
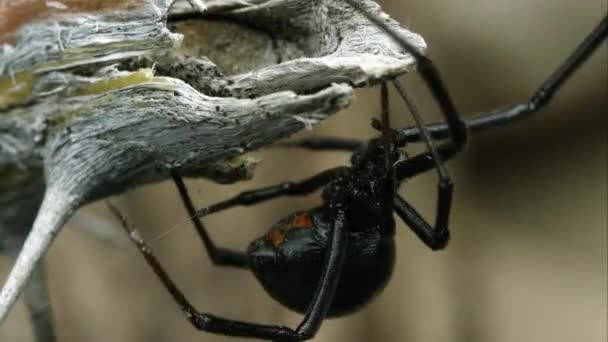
{"x": 276, "y": 237}
{"x": 302, "y": 221}
{"x": 299, "y": 221}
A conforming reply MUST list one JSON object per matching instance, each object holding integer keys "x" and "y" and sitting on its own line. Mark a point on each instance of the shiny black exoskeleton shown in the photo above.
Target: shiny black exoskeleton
{"x": 333, "y": 259}
{"x": 289, "y": 259}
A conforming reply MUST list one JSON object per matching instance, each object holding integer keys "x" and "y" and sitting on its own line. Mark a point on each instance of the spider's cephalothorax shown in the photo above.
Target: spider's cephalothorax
{"x": 288, "y": 260}
{"x": 332, "y": 259}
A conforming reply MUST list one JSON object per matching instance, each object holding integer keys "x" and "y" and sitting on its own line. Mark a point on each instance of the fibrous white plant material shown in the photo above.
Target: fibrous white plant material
{"x": 308, "y": 45}
{"x": 67, "y": 39}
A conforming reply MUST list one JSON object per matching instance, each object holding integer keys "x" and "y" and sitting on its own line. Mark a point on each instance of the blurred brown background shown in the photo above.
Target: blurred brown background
{"x": 528, "y": 258}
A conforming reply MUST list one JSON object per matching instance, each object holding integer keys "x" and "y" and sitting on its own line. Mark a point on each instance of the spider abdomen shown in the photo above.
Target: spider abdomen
{"x": 289, "y": 259}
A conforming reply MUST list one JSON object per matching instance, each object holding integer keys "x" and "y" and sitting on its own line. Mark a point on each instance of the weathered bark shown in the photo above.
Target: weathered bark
{"x": 74, "y": 129}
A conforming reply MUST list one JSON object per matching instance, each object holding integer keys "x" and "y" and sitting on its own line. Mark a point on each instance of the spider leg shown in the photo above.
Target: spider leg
{"x": 252, "y": 197}
{"x": 435, "y": 238}
{"x": 434, "y": 82}
{"x": 324, "y": 294}
{"x": 388, "y": 138}
{"x": 539, "y": 99}
{"x": 214, "y": 324}
{"x": 455, "y": 125}
{"x": 218, "y": 255}
{"x": 199, "y": 320}
{"x": 432, "y": 156}
{"x": 324, "y": 143}
{"x": 435, "y": 156}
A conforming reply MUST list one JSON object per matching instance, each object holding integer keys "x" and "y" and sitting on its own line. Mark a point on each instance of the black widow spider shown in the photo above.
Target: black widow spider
{"x": 310, "y": 259}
